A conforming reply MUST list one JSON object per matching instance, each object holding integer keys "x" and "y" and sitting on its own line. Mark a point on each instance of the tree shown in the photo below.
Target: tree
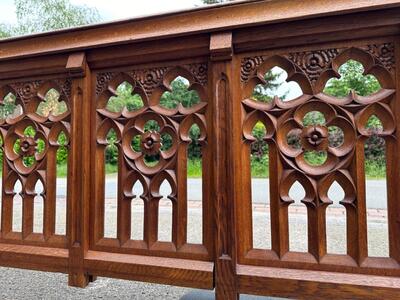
{"x": 44, "y": 15}
{"x": 352, "y": 79}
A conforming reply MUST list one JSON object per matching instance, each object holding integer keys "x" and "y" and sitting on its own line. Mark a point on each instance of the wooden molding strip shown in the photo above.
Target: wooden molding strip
{"x": 208, "y": 19}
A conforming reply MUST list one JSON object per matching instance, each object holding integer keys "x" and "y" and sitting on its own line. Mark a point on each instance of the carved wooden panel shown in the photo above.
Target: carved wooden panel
{"x": 149, "y": 123}
{"x": 343, "y": 164}
{"x": 34, "y": 115}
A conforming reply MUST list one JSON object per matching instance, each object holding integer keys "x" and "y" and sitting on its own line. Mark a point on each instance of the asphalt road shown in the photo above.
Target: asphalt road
{"x": 375, "y": 191}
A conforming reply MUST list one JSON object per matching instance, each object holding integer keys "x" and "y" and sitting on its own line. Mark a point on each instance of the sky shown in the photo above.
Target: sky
{"x": 112, "y": 9}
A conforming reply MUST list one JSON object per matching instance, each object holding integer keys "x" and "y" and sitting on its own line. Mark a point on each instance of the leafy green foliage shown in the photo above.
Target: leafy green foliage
{"x": 266, "y": 92}
{"x": 8, "y": 106}
{"x": 179, "y": 94}
{"x": 352, "y": 78}
{"x": 45, "y": 15}
{"x": 125, "y": 99}
{"x": 51, "y": 104}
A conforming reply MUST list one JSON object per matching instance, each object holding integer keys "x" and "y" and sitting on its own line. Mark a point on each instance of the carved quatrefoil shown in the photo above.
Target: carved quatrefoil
{"x": 315, "y": 137}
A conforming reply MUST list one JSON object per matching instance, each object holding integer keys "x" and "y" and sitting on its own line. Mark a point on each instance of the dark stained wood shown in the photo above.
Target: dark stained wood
{"x": 299, "y": 284}
{"x": 235, "y": 15}
{"x": 221, "y": 70}
{"x": 223, "y": 52}
{"x": 35, "y": 258}
{"x": 179, "y": 272}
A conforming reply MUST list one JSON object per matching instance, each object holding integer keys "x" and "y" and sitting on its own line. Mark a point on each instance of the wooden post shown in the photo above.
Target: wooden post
{"x": 78, "y": 173}
{"x": 221, "y": 72}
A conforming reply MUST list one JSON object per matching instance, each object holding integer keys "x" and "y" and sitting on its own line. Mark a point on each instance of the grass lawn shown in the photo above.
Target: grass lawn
{"x": 259, "y": 169}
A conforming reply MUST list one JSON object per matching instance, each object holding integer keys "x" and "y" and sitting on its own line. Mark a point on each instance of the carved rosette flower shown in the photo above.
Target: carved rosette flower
{"x": 150, "y": 142}
{"x": 315, "y": 138}
{"x": 19, "y": 146}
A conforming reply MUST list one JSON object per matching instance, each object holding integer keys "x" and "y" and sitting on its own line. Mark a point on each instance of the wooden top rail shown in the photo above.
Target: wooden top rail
{"x": 224, "y": 52}
{"x": 208, "y": 19}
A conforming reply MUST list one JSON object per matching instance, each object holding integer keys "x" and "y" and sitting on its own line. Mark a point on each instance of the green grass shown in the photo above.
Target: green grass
{"x": 259, "y": 169}
{"x": 194, "y": 169}
{"x": 375, "y": 170}
{"x": 62, "y": 169}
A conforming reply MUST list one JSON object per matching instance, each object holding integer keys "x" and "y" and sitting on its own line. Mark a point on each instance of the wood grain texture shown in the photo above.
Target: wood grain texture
{"x": 180, "y": 272}
{"x": 301, "y": 284}
{"x": 210, "y": 19}
{"x": 224, "y": 52}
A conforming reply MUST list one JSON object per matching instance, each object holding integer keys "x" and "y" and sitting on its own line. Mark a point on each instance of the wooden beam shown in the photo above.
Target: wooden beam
{"x": 303, "y": 284}
{"x": 162, "y": 270}
{"x": 34, "y": 258}
{"x": 209, "y": 19}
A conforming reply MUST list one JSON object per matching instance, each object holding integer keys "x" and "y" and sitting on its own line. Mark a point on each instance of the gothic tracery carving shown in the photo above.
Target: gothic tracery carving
{"x": 350, "y": 114}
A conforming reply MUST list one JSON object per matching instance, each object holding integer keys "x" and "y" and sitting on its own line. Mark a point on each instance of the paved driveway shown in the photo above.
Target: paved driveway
{"x": 376, "y": 191}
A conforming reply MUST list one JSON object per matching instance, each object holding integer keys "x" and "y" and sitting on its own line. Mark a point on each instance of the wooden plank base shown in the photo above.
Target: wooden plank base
{"x": 304, "y": 284}
{"x": 178, "y": 272}
{"x": 34, "y": 258}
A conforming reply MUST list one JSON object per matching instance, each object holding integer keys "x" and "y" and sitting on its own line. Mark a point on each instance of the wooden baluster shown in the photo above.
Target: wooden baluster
{"x": 278, "y": 211}
{"x": 180, "y": 217}
{"x": 27, "y": 213}
{"x": 124, "y": 205}
{"x": 49, "y": 217}
{"x": 357, "y": 246}
{"x": 225, "y": 260}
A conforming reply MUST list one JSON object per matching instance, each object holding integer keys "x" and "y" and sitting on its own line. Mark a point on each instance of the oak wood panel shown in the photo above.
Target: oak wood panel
{"x": 310, "y": 40}
{"x": 180, "y": 272}
{"x": 209, "y": 19}
{"x": 308, "y": 32}
{"x": 314, "y": 285}
{"x": 35, "y": 258}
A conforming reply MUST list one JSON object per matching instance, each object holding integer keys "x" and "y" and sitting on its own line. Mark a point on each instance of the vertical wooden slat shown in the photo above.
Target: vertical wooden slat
{"x": 357, "y": 245}
{"x": 244, "y": 205}
{"x": 49, "y": 217}
{"x": 27, "y": 215}
{"x": 124, "y": 205}
{"x": 180, "y": 217}
{"x": 151, "y": 221}
{"x": 278, "y": 212}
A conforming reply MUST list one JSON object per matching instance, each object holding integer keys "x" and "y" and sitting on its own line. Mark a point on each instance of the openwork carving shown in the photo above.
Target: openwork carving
{"x": 30, "y": 126}
{"x": 292, "y": 135}
{"x": 314, "y": 137}
{"x": 151, "y": 78}
{"x": 19, "y": 146}
{"x": 152, "y": 140}
{"x": 313, "y": 63}
{"x": 249, "y": 64}
{"x": 384, "y": 54}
